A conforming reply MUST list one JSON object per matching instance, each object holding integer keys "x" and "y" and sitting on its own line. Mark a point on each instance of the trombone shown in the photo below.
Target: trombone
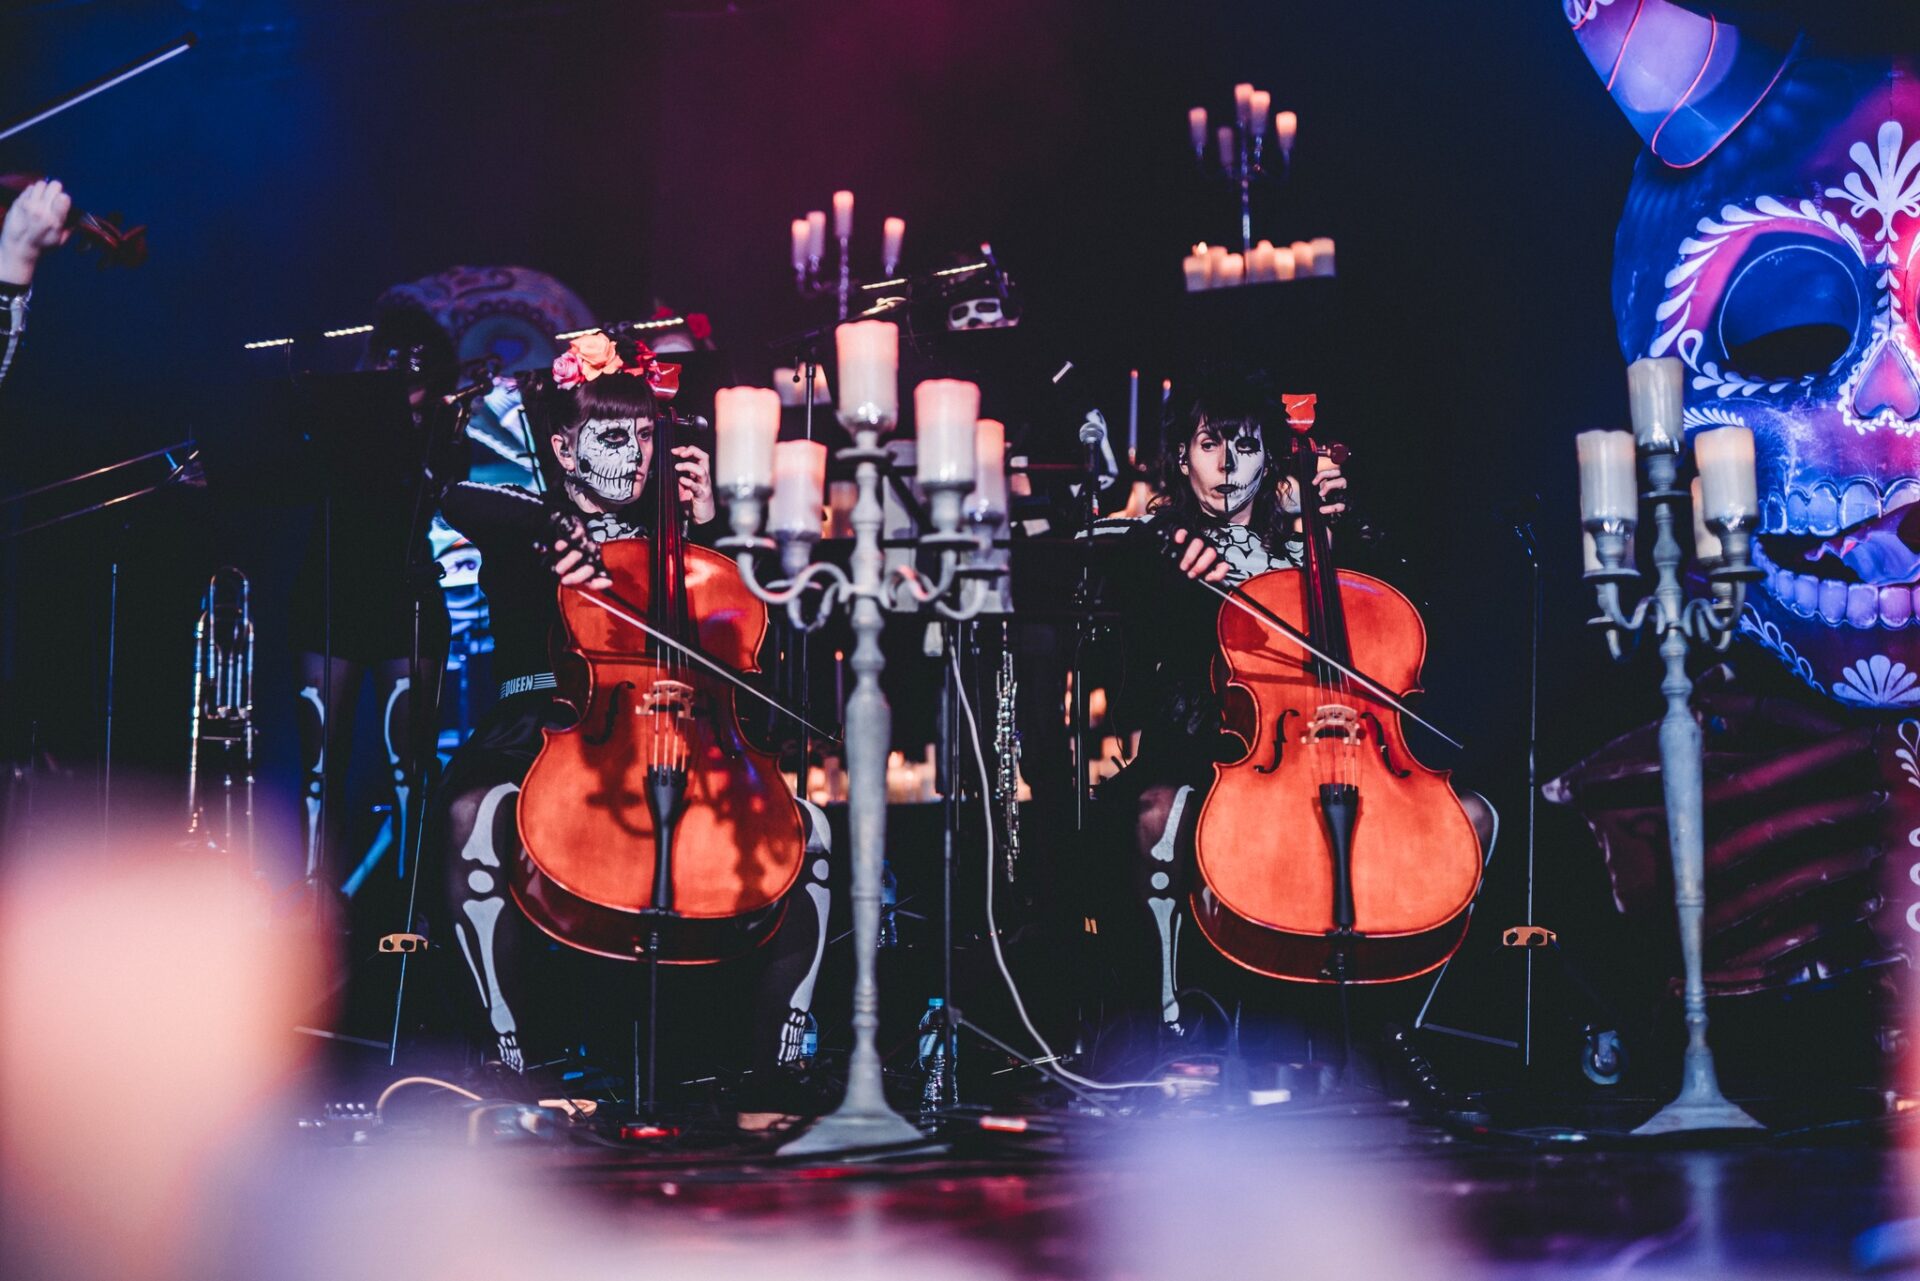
{"x": 222, "y": 707}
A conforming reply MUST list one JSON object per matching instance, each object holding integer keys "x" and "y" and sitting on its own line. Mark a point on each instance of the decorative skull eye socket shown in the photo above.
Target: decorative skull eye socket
{"x": 1790, "y": 311}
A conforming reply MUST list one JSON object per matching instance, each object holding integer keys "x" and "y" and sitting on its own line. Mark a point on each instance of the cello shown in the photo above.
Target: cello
{"x": 651, "y": 829}
{"x": 1327, "y": 853}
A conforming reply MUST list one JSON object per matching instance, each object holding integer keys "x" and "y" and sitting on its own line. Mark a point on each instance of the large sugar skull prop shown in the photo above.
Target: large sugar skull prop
{"x": 1770, "y": 241}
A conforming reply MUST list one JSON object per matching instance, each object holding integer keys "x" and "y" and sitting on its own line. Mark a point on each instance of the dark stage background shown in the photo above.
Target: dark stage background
{"x": 311, "y": 152}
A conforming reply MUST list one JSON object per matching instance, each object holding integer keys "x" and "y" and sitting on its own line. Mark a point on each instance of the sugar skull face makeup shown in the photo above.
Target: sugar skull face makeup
{"x": 1769, "y": 241}
{"x": 1225, "y": 470}
{"x": 608, "y": 459}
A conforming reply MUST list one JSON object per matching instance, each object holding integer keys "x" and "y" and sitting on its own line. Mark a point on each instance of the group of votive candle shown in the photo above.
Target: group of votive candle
{"x": 1212, "y": 267}
{"x": 954, "y": 448}
{"x": 1725, "y": 493}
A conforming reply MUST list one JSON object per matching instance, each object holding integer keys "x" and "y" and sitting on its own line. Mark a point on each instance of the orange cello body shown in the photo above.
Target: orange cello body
{"x": 588, "y": 837}
{"x": 1272, "y": 893}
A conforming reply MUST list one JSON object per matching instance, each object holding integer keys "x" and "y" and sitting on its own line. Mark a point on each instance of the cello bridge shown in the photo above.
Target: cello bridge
{"x": 666, "y": 698}
{"x": 1335, "y": 722}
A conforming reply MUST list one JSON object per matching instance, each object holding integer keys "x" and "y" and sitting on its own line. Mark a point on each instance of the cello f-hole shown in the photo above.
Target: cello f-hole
{"x": 1279, "y": 744}
{"x": 614, "y": 701}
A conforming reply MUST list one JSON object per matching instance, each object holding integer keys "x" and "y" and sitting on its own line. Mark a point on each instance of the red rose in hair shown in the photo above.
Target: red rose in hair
{"x": 699, "y": 326}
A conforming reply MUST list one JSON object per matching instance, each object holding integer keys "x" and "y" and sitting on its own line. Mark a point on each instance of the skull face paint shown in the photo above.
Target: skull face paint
{"x": 978, "y": 313}
{"x": 1769, "y": 241}
{"x": 608, "y": 459}
{"x": 1225, "y": 471}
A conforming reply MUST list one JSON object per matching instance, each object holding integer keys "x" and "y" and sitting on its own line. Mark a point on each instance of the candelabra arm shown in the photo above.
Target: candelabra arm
{"x": 791, "y": 592}
{"x": 1614, "y": 618}
{"x": 973, "y": 598}
{"x": 916, "y": 588}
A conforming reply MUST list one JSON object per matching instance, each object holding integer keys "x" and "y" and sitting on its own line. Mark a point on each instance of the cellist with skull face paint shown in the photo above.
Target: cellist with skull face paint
{"x": 1231, "y": 512}
{"x": 596, "y": 414}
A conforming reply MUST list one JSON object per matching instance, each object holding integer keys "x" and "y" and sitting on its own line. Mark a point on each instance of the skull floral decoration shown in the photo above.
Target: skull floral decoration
{"x": 1769, "y": 241}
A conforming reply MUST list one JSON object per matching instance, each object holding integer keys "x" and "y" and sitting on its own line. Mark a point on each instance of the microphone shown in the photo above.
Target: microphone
{"x": 482, "y": 373}
{"x": 479, "y": 387}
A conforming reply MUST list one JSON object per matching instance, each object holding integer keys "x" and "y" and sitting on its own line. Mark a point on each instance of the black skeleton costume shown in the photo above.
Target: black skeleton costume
{"x": 473, "y": 827}
{"x": 1172, "y": 641}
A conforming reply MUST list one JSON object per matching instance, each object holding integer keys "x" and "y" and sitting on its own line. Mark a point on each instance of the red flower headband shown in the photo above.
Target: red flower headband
{"x": 592, "y": 355}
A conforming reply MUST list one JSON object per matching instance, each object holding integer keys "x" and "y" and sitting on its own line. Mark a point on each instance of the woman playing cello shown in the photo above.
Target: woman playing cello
{"x": 597, "y": 413}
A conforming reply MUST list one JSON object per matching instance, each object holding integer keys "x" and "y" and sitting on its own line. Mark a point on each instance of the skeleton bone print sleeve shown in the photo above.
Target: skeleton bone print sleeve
{"x": 13, "y": 322}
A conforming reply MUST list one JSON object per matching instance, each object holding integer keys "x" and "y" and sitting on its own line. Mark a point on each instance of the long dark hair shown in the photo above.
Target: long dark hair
{"x": 563, "y": 411}
{"x": 1233, "y": 406}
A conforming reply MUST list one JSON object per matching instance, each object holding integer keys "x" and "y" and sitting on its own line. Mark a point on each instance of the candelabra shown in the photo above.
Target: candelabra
{"x": 812, "y": 591}
{"x": 1724, "y": 515}
{"x": 1242, "y": 147}
{"x": 810, "y": 248}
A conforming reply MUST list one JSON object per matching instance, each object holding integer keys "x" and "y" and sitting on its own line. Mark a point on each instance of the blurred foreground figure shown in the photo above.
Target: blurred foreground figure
{"x": 146, "y": 1015}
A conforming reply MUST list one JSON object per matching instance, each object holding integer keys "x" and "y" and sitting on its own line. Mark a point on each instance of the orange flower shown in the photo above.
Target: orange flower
{"x": 597, "y": 355}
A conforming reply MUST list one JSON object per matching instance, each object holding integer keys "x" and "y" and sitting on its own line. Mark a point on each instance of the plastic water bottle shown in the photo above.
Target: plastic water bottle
{"x": 889, "y": 901}
{"x": 935, "y": 1069}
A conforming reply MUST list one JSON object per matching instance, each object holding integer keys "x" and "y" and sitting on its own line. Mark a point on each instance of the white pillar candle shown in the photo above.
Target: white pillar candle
{"x": 746, "y": 421}
{"x": 1285, "y": 125}
{"x": 1655, "y": 390}
{"x": 893, "y": 235}
{"x": 799, "y": 488}
{"x": 1216, "y": 266}
{"x": 800, "y": 241}
{"x": 1257, "y": 107}
{"x": 1242, "y": 101}
{"x": 1706, "y": 544}
{"x": 989, "y": 497}
{"x": 946, "y": 412}
{"x": 817, "y": 234}
{"x": 1227, "y": 149}
{"x": 1195, "y": 266}
{"x": 1725, "y": 459}
{"x": 1235, "y": 267}
{"x": 1322, "y": 247}
{"x": 1260, "y": 263}
{"x": 1197, "y": 129}
{"x": 869, "y": 352}
{"x": 1283, "y": 263}
{"x": 842, "y": 214}
{"x": 1606, "y": 475}
{"x": 1302, "y": 258}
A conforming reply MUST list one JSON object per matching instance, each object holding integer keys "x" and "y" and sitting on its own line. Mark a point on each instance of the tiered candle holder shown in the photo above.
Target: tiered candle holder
{"x": 961, "y": 466}
{"x": 1725, "y": 513}
{"x": 809, "y": 250}
{"x": 1242, "y": 148}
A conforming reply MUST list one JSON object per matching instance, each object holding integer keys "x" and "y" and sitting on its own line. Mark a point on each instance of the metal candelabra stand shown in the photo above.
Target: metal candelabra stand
{"x": 1679, "y": 623}
{"x": 811, "y": 591}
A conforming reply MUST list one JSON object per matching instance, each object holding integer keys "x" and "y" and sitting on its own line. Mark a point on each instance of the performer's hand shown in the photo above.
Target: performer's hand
{"x": 1328, "y": 480}
{"x": 573, "y": 569}
{"x": 35, "y": 223}
{"x": 696, "y": 482}
{"x": 1200, "y": 559}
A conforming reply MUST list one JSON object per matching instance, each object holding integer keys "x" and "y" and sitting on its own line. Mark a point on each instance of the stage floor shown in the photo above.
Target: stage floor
{"x": 1350, "y": 1191}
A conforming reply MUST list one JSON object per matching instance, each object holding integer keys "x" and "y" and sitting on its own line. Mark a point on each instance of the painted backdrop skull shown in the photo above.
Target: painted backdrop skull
{"x": 1769, "y": 241}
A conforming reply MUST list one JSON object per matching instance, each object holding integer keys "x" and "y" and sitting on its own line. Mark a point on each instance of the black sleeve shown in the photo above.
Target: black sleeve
{"x": 496, "y": 517}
